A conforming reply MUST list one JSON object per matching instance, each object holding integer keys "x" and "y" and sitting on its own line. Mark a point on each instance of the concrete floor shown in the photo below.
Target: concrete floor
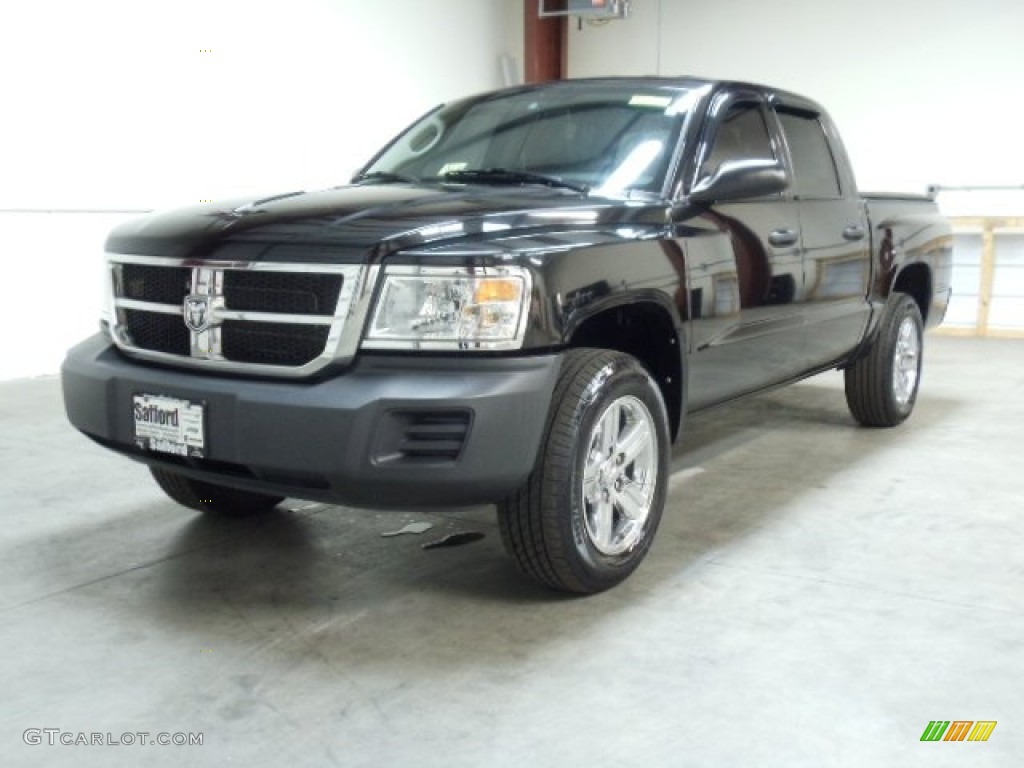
{"x": 817, "y": 594}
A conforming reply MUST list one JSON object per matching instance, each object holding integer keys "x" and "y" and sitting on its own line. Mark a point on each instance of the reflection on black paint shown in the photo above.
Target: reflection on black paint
{"x": 886, "y": 262}
{"x": 753, "y": 268}
{"x": 697, "y": 303}
{"x": 581, "y": 297}
{"x": 782, "y": 290}
{"x": 674, "y": 253}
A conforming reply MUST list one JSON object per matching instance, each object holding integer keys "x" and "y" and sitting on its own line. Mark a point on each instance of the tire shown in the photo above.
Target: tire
{"x": 882, "y": 385}
{"x": 586, "y": 516}
{"x": 211, "y": 498}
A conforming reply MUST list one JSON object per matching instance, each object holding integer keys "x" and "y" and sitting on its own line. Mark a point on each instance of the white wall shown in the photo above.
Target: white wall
{"x": 111, "y": 103}
{"x": 924, "y": 91}
{"x": 122, "y": 104}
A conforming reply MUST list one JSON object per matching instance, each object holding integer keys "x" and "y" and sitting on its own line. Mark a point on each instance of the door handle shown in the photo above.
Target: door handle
{"x": 783, "y": 237}
{"x": 853, "y": 232}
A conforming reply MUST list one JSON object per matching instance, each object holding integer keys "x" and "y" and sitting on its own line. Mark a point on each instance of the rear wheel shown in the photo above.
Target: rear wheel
{"x": 208, "y": 497}
{"x": 586, "y": 516}
{"x": 881, "y": 387}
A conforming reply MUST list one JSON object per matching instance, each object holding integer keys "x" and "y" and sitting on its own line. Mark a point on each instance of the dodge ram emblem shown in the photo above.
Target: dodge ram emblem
{"x": 197, "y": 313}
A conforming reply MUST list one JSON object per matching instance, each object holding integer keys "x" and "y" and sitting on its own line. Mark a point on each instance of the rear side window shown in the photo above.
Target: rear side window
{"x": 814, "y": 168}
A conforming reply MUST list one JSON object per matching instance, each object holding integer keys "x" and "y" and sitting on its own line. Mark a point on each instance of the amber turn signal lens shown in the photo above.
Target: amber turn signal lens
{"x": 497, "y": 289}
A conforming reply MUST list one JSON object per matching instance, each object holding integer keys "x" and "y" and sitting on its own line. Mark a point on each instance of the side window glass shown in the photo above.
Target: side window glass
{"x": 814, "y": 168}
{"x": 742, "y": 135}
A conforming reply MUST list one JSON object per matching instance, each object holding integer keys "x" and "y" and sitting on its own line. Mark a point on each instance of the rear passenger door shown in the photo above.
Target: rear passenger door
{"x": 834, "y": 236}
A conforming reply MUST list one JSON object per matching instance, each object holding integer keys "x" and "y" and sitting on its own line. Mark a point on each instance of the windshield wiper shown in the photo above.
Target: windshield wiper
{"x": 508, "y": 176}
{"x": 386, "y": 176}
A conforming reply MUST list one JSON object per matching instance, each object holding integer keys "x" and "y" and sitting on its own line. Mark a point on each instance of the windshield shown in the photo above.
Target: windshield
{"x": 610, "y": 138}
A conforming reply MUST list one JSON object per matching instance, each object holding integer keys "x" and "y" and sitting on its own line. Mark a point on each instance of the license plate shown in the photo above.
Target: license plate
{"x": 169, "y": 425}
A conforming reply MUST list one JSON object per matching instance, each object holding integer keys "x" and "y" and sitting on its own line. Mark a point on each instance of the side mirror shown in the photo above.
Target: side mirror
{"x": 740, "y": 180}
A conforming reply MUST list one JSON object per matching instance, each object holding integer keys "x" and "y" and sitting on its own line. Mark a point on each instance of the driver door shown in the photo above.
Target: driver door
{"x": 746, "y": 284}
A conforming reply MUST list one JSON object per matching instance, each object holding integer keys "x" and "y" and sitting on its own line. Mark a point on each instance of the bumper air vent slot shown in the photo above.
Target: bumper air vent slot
{"x": 422, "y": 436}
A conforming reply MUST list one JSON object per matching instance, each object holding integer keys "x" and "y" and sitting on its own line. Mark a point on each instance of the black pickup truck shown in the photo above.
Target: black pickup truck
{"x": 517, "y": 301}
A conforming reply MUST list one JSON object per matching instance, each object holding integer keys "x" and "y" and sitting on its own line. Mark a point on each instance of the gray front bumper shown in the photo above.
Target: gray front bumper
{"x": 333, "y": 439}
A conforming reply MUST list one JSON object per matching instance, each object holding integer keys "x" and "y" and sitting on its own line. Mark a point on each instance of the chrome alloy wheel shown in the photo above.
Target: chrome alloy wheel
{"x": 619, "y": 475}
{"x": 906, "y": 362}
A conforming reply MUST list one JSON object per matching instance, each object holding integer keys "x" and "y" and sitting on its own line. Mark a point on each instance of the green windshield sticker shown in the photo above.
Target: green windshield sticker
{"x": 650, "y": 100}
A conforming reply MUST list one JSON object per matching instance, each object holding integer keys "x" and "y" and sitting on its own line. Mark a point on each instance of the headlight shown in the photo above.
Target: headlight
{"x": 482, "y": 308}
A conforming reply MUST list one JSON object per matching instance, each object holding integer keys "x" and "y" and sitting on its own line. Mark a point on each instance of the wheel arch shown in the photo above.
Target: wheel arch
{"x": 915, "y": 280}
{"x": 647, "y": 329}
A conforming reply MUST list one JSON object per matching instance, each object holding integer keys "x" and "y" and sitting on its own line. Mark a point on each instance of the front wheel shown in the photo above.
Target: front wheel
{"x": 881, "y": 387}
{"x": 586, "y": 516}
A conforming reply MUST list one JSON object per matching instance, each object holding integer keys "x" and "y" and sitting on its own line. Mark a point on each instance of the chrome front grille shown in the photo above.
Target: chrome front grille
{"x": 272, "y": 343}
{"x": 280, "y": 319}
{"x": 285, "y": 292}
{"x": 157, "y": 332}
{"x": 160, "y": 285}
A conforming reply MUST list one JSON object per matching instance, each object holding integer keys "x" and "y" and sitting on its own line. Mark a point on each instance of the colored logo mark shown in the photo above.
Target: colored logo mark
{"x": 958, "y": 730}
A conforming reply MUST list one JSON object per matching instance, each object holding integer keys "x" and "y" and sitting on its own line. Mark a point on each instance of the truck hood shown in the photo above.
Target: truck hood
{"x": 355, "y": 223}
